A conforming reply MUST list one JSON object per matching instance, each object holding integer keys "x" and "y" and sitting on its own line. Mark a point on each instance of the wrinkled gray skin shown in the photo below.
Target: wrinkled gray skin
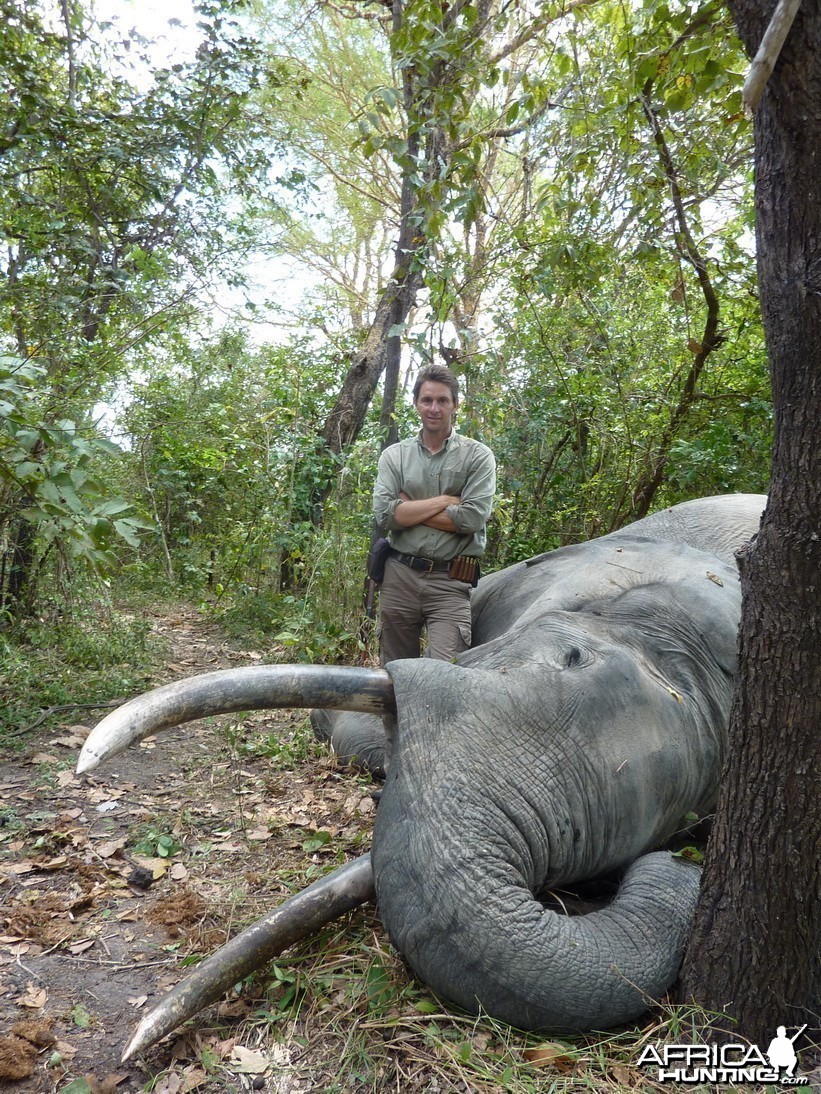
{"x": 570, "y": 742}
{"x": 357, "y": 739}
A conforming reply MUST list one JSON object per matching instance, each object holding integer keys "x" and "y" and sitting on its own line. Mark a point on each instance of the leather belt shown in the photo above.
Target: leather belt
{"x": 426, "y": 565}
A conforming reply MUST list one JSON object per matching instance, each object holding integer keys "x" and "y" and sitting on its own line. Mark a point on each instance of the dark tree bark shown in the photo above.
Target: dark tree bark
{"x": 382, "y": 351}
{"x": 755, "y": 953}
{"x": 19, "y": 560}
{"x": 348, "y": 414}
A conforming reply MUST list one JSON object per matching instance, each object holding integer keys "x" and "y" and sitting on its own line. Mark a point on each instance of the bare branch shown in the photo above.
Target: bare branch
{"x": 764, "y": 61}
{"x": 539, "y": 24}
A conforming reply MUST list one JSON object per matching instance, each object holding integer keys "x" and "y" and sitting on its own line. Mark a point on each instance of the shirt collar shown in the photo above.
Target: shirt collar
{"x": 454, "y": 434}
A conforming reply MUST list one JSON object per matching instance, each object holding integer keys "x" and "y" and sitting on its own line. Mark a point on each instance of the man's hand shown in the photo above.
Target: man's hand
{"x": 429, "y": 511}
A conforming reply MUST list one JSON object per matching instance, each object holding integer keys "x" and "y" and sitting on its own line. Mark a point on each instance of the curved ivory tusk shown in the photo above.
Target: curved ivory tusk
{"x": 260, "y": 687}
{"x": 296, "y": 918}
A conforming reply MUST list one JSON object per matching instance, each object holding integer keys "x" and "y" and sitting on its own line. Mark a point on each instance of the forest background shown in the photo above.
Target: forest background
{"x": 557, "y": 201}
{"x": 554, "y": 200}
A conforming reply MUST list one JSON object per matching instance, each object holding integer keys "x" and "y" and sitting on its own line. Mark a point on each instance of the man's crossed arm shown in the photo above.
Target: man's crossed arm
{"x": 427, "y": 511}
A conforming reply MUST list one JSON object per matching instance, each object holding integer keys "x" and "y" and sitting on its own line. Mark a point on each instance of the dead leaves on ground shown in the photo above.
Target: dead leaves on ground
{"x": 73, "y": 885}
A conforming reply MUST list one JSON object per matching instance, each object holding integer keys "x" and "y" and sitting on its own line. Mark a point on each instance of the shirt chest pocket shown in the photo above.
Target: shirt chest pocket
{"x": 452, "y": 482}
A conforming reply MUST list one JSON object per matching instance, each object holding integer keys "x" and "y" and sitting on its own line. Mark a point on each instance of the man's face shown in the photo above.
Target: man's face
{"x": 435, "y": 407}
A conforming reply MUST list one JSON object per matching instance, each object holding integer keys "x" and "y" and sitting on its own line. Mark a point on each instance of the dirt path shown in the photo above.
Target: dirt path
{"x": 109, "y": 881}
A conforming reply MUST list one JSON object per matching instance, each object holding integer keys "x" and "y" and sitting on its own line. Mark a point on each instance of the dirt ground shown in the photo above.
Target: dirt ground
{"x": 108, "y": 882}
{"x": 111, "y": 884}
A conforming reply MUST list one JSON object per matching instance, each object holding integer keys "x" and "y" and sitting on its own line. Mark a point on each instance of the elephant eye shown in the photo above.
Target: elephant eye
{"x": 572, "y": 657}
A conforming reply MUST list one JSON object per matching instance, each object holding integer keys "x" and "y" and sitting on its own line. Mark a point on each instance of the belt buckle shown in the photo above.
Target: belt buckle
{"x": 431, "y": 563}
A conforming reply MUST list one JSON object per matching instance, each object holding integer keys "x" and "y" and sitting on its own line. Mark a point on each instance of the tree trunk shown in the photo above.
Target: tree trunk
{"x": 427, "y": 157}
{"x": 348, "y": 414}
{"x": 755, "y": 952}
{"x": 17, "y": 599}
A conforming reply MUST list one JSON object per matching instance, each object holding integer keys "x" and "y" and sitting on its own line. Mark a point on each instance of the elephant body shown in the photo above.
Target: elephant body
{"x": 570, "y": 742}
{"x": 588, "y": 719}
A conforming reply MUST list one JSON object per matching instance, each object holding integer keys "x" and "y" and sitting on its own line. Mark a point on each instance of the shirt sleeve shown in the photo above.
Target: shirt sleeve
{"x": 477, "y": 495}
{"x": 386, "y": 493}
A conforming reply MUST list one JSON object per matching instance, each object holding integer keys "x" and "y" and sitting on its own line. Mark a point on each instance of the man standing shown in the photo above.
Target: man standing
{"x": 432, "y": 499}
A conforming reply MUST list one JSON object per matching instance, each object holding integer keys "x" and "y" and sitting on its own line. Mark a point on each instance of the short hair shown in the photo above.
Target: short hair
{"x": 437, "y": 374}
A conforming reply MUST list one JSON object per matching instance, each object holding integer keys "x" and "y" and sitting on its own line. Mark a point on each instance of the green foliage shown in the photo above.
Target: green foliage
{"x": 225, "y": 456}
{"x": 52, "y": 491}
{"x": 112, "y": 190}
{"x": 156, "y": 841}
{"x": 537, "y": 184}
{"x": 587, "y": 389}
{"x": 311, "y": 637}
{"x": 600, "y": 362}
{"x": 112, "y": 206}
{"x": 93, "y": 655}
{"x": 47, "y": 474}
{"x": 283, "y": 751}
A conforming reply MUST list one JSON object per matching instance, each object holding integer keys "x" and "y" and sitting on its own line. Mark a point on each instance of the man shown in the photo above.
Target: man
{"x": 432, "y": 499}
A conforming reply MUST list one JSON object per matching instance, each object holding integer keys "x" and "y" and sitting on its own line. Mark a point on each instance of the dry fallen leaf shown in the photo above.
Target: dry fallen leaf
{"x": 21, "y": 867}
{"x": 626, "y": 1078}
{"x": 157, "y": 866}
{"x": 247, "y": 1062}
{"x": 35, "y": 997}
{"x": 109, "y": 1084}
{"x": 550, "y": 1053}
{"x": 83, "y": 944}
{"x": 74, "y": 741}
{"x": 171, "y": 1084}
{"x": 15, "y": 950}
{"x": 258, "y": 834}
{"x": 54, "y": 864}
{"x": 111, "y": 847}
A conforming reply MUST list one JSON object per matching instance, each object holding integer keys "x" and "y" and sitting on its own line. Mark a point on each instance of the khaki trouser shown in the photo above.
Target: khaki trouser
{"x": 411, "y": 601}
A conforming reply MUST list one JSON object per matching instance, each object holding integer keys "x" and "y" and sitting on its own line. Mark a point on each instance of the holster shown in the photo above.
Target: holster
{"x": 380, "y": 553}
{"x": 464, "y": 568}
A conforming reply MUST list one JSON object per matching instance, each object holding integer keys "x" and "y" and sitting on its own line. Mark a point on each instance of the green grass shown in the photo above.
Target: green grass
{"x": 342, "y": 1012}
{"x": 92, "y": 656}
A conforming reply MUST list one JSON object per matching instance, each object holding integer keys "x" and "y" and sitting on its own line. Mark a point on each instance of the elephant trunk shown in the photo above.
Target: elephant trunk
{"x": 498, "y": 950}
{"x": 261, "y": 687}
{"x": 464, "y": 840}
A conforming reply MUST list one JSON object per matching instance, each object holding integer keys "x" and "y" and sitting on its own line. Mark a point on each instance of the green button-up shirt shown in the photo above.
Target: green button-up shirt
{"x": 464, "y": 468}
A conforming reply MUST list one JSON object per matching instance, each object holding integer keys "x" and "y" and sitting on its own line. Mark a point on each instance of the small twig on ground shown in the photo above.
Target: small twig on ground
{"x": 59, "y": 710}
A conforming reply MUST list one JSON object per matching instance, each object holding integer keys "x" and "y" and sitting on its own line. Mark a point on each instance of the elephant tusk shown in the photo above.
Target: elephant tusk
{"x": 296, "y": 918}
{"x": 260, "y": 687}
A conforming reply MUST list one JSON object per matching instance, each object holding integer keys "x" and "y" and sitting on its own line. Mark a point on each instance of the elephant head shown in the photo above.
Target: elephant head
{"x": 567, "y": 744}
